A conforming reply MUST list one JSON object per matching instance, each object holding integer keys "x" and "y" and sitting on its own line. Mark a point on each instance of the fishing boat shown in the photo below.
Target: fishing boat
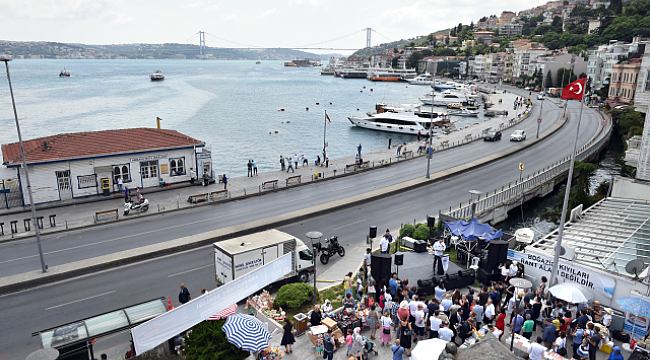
{"x": 157, "y": 76}
{"x": 64, "y": 73}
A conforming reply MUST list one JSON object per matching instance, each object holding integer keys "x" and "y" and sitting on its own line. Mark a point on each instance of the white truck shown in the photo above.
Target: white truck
{"x": 236, "y": 257}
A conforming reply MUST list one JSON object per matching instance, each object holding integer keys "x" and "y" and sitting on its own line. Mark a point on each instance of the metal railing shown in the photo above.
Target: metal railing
{"x": 514, "y": 191}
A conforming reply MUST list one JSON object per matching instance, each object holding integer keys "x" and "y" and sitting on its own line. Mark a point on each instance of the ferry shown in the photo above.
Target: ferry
{"x": 390, "y": 74}
{"x": 327, "y": 70}
{"x": 157, "y": 76}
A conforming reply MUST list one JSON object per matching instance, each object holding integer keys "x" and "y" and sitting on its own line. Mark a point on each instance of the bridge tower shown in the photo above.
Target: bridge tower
{"x": 202, "y": 44}
{"x": 368, "y": 33}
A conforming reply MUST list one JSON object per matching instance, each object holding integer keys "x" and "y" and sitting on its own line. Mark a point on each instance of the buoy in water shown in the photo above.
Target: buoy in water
{"x": 317, "y": 103}
{"x": 357, "y": 109}
{"x": 281, "y": 109}
{"x": 364, "y": 87}
{"x": 283, "y": 122}
{"x": 288, "y": 122}
{"x": 330, "y": 103}
{"x": 276, "y": 131}
{"x": 370, "y": 89}
{"x": 307, "y": 109}
{"x": 360, "y": 90}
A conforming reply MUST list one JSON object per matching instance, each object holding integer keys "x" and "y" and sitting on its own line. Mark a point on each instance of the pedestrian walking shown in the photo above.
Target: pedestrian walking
{"x": 359, "y": 150}
{"x": 225, "y": 182}
{"x": 184, "y": 296}
{"x": 127, "y": 194}
{"x": 399, "y": 150}
{"x": 289, "y": 166}
{"x": 295, "y": 160}
{"x": 250, "y": 168}
{"x": 254, "y": 168}
{"x": 419, "y": 135}
{"x": 281, "y": 163}
{"x": 390, "y": 140}
{"x": 385, "y": 335}
{"x": 287, "y": 336}
{"x": 192, "y": 176}
{"x": 304, "y": 160}
{"x": 120, "y": 182}
{"x": 327, "y": 161}
{"x": 328, "y": 345}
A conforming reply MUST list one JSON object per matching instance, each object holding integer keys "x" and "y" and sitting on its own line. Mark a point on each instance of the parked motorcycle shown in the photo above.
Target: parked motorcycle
{"x": 140, "y": 206}
{"x": 330, "y": 250}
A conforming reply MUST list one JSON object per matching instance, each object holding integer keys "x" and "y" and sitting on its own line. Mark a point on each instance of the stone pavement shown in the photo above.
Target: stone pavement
{"x": 83, "y": 213}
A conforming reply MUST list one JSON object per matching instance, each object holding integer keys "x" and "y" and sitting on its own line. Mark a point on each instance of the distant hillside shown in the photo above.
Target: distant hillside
{"x": 55, "y": 50}
{"x": 381, "y": 48}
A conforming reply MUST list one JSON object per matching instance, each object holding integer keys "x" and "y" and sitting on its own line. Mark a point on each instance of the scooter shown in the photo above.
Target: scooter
{"x": 141, "y": 206}
{"x": 331, "y": 249}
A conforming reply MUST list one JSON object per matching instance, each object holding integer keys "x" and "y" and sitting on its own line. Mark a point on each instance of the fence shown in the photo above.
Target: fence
{"x": 514, "y": 191}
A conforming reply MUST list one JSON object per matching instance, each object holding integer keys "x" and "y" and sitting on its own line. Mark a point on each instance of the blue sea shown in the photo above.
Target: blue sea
{"x": 233, "y": 106}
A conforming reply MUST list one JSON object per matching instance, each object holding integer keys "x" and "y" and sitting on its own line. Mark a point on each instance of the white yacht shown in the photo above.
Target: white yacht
{"x": 157, "y": 76}
{"x": 423, "y": 79}
{"x": 407, "y": 120}
{"x": 444, "y": 98}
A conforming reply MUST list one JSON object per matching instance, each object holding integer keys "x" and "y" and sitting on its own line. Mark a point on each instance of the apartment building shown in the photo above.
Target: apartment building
{"x": 623, "y": 83}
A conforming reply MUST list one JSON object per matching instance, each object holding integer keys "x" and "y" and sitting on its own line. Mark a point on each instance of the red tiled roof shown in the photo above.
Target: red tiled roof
{"x": 96, "y": 143}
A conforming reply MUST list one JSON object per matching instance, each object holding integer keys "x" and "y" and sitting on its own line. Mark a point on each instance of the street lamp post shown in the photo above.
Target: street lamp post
{"x": 433, "y": 97}
{"x": 314, "y": 235}
{"x": 519, "y": 284}
{"x": 6, "y": 59}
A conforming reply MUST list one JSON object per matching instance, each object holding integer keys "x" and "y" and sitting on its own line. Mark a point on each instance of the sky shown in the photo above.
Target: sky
{"x": 289, "y": 23}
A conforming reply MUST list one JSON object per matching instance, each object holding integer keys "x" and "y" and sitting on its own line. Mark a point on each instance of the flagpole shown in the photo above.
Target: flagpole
{"x": 565, "y": 204}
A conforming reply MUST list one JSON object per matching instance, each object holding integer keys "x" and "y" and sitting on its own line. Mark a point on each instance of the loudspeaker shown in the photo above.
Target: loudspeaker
{"x": 484, "y": 277}
{"x": 497, "y": 254}
{"x": 399, "y": 259}
{"x": 480, "y": 243}
{"x": 420, "y": 246}
{"x": 373, "y": 232}
{"x": 380, "y": 265}
{"x": 431, "y": 221}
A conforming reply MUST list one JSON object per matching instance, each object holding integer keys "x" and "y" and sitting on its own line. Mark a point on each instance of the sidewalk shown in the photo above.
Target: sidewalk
{"x": 83, "y": 213}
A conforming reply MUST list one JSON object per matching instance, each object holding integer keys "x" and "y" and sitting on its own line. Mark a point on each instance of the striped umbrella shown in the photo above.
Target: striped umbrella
{"x": 247, "y": 332}
{"x": 225, "y": 313}
{"x": 635, "y": 306}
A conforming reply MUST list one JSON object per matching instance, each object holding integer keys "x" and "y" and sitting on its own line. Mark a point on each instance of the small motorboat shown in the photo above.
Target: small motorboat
{"x": 157, "y": 76}
{"x": 463, "y": 112}
{"x": 64, "y": 73}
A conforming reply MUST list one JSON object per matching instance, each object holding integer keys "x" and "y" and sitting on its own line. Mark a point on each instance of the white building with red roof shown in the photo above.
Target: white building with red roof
{"x": 71, "y": 166}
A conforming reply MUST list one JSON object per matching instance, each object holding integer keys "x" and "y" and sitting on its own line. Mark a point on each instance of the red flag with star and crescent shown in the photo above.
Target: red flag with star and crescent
{"x": 574, "y": 90}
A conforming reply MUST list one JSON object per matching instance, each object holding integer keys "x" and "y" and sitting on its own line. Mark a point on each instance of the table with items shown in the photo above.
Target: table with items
{"x": 478, "y": 335}
{"x": 522, "y": 344}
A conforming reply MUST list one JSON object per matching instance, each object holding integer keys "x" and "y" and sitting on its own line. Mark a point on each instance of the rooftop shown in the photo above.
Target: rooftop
{"x": 607, "y": 236}
{"x": 96, "y": 143}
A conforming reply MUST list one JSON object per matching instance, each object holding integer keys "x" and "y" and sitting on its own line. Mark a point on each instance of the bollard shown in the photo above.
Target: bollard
{"x": 39, "y": 222}
{"x": 244, "y": 191}
{"x": 27, "y": 224}
{"x": 2, "y": 228}
{"x": 53, "y": 220}
{"x": 334, "y": 172}
{"x": 66, "y": 224}
{"x": 14, "y": 227}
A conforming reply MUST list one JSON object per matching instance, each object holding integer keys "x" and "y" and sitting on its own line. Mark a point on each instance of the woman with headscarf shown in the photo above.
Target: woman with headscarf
{"x": 327, "y": 308}
{"x": 357, "y": 343}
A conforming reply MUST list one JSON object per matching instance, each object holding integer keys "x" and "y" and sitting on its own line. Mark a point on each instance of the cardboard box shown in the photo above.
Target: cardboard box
{"x": 331, "y": 324}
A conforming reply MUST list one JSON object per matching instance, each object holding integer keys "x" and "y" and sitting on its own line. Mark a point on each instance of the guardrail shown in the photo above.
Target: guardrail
{"x": 514, "y": 191}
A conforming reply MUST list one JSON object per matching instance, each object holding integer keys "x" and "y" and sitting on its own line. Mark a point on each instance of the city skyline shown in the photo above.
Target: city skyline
{"x": 291, "y": 24}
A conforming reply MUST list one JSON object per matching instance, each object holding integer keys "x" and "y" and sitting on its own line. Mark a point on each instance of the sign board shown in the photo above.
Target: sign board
{"x": 164, "y": 327}
{"x": 635, "y": 324}
{"x": 149, "y": 158}
{"x": 87, "y": 181}
{"x": 521, "y": 166}
{"x": 584, "y": 276}
{"x": 539, "y": 121}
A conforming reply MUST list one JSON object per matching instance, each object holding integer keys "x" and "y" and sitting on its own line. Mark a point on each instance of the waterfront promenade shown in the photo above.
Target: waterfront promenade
{"x": 79, "y": 213}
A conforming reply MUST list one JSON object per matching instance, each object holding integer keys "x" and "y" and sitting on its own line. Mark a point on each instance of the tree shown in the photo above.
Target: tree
{"x": 579, "y": 194}
{"x": 549, "y": 80}
{"x": 604, "y": 91}
{"x": 207, "y": 341}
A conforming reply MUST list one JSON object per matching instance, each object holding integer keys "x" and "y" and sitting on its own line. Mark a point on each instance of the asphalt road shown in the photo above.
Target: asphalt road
{"x": 66, "y": 301}
{"x": 21, "y": 256}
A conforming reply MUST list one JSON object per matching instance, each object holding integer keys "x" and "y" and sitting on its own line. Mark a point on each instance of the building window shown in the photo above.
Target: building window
{"x": 177, "y": 167}
{"x": 122, "y": 170}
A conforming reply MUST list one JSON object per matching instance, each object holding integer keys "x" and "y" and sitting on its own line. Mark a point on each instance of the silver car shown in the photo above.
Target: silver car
{"x": 518, "y": 135}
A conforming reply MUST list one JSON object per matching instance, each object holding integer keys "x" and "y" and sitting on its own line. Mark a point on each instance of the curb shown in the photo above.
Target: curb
{"x": 35, "y": 278}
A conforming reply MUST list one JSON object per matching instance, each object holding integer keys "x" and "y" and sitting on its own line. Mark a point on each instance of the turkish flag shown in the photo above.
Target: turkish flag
{"x": 574, "y": 90}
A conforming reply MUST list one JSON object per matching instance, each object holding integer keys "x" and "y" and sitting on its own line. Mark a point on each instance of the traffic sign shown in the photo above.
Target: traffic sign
{"x": 521, "y": 166}
{"x": 604, "y": 122}
{"x": 539, "y": 121}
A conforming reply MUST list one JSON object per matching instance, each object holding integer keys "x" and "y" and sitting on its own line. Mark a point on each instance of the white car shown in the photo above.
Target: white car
{"x": 540, "y": 97}
{"x": 518, "y": 135}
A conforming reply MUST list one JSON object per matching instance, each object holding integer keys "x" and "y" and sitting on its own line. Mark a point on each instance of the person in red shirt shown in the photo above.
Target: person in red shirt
{"x": 501, "y": 321}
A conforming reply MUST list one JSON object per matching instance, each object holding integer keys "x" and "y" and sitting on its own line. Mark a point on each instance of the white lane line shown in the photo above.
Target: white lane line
{"x": 347, "y": 187}
{"x": 186, "y": 271}
{"x": 385, "y": 177}
{"x": 396, "y": 210}
{"x": 356, "y": 222}
{"x": 126, "y": 237}
{"x": 80, "y": 300}
{"x": 296, "y": 199}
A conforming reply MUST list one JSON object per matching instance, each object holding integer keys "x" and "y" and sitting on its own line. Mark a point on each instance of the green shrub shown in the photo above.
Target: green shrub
{"x": 406, "y": 230}
{"x": 292, "y": 296}
{"x": 208, "y": 342}
{"x": 421, "y": 232}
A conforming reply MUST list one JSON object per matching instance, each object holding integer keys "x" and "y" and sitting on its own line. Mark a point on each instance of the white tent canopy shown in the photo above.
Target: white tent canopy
{"x": 428, "y": 349}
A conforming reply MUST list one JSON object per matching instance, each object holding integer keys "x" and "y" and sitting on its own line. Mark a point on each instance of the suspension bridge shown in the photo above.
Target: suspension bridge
{"x": 315, "y": 46}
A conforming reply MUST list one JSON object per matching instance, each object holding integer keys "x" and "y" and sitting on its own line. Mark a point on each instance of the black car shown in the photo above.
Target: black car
{"x": 492, "y": 136}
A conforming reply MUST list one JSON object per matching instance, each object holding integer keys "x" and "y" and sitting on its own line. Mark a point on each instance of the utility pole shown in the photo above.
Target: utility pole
{"x": 433, "y": 96}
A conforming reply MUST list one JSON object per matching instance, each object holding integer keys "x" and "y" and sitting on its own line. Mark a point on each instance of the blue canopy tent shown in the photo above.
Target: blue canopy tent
{"x": 472, "y": 230}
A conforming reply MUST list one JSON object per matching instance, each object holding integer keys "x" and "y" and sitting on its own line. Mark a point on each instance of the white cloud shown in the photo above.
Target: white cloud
{"x": 267, "y": 13}
{"x": 56, "y": 9}
{"x": 193, "y": 5}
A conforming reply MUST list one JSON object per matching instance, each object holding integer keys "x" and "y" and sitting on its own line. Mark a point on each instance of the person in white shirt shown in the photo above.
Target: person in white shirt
{"x": 383, "y": 244}
{"x": 445, "y": 332}
{"x": 560, "y": 342}
{"x": 513, "y": 270}
{"x": 536, "y": 350}
{"x": 440, "y": 291}
{"x": 435, "y": 324}
{"x": 366, "y": 261}
{"x": 504, "y": 272}
{"x": 419, "y": 322}
{"x": 438, "y": 252}
{"x": 607, "y": 318}
{"x": 489, "y": 312}
{"x": 413, "y": 305}
{"x": 327, "y": 308}
{"x": 446, "y": 303}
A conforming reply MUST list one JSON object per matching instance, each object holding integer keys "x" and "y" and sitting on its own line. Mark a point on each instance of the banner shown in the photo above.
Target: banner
{"x": 445, "y": 262}
{"x": 586, "y": 277}
{"x": 158, "y": 330}
{"x": 635, "y": 325}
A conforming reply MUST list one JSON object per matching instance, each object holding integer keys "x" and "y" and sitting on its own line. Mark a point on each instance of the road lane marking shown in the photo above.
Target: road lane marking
{"x": 80, "y": 300}
{"x": 356, "y": 222}
{"x": 386, "y": 177}
{"x": 304, "y": 197}
{"x": 343, "y": 188}
{"x": 187, "y": 271}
